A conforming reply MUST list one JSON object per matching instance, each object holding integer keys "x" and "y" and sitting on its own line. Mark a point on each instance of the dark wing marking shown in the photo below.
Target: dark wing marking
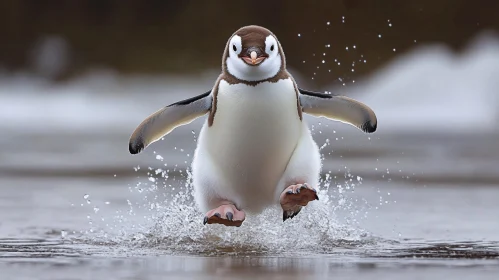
{"x": 190, "y": 100}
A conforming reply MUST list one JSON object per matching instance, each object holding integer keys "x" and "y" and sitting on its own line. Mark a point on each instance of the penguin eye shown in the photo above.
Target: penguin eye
{"x": 272, "y": 48}
{"x": 234, "y": 48}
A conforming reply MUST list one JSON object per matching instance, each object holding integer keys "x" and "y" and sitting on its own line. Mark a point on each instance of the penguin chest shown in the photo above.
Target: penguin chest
{"x": 255, "y": 131}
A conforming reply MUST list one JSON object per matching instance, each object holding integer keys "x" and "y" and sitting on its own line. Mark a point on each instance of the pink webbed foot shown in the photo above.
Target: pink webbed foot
{"x": 227, "y": 215}
{"x": 294, "y": 197}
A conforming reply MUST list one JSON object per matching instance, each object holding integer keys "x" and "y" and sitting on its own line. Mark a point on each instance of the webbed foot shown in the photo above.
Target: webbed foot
{"x": 226, "y": 214}
{"x": 294, "y": 197}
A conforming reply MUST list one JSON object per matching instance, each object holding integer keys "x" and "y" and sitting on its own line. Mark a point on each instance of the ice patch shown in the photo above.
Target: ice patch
{"x": 98, "y": 101}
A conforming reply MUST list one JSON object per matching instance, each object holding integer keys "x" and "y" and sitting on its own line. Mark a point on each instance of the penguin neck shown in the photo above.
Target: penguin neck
{"x": 232, "y": 80}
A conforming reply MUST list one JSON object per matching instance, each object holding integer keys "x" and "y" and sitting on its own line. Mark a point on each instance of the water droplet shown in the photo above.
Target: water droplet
{"x": 354, "y": 46}
{"x": 96, "y": 209}
{"x": 107, "y": 202}
{"x": 323, "y": 61}
{"x": 86, "y": 196}
{"x": 394, "y": 49}
{"x": 379, "y": 35}
{"x": 158, "y": 157}
{"x": 346, "y": 48}
{"x": 63, "y": 234}
{"x": 299, "y": 35}
{"x": 328, "y": 23}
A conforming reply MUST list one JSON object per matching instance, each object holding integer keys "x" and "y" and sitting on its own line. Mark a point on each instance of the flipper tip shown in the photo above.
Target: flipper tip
{"x": 135, "y": 147}
{"x": 369, "y": 127}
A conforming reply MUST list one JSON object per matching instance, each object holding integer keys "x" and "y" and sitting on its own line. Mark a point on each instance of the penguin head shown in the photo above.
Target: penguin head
{"x": 253, "y": 54}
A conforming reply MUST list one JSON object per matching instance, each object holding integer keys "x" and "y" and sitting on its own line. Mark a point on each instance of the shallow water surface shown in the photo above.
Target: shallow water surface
{"x": 420, "y": 232}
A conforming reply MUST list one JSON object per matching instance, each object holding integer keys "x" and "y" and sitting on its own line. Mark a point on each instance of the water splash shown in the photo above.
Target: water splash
{"x": 177, "y": 229}
{"x": 173, "y": 224}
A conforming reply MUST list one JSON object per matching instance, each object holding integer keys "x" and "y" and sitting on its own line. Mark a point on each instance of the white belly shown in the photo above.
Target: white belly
{"x": 252, "y": 139}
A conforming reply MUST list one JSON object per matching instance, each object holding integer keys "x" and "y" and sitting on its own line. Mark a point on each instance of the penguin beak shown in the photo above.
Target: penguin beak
{"x": 253, "y": 56}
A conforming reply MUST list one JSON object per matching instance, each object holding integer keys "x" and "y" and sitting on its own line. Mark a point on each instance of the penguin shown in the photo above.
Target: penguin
{"x": 255, "y": 149}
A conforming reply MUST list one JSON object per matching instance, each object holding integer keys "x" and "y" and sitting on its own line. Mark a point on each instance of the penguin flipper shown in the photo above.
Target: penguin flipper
{"x": 341, "y": 108}
{"x": 168, "y": 118}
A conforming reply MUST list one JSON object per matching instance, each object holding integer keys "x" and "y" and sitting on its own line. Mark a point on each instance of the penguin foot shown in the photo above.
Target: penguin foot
{"x": 226, "y": 214}
{"x": 294, "y": 197}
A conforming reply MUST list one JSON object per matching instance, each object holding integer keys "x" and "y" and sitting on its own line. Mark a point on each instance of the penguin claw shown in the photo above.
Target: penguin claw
{"x": 205, "y": 220}
{"x": 290, "y": 214}
{"x": 229, "y": 216}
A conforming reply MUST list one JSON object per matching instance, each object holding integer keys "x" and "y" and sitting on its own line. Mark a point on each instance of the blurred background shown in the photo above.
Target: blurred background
{"x": 61, "y": 39}
{"x": 77, "y": 77}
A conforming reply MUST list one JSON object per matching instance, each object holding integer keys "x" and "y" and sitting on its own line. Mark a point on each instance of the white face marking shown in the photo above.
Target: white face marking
{"x": 265, "y": 70}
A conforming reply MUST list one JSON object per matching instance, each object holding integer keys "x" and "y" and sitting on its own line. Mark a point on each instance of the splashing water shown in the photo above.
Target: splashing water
{"x": 177, "y": 229}
{"x": 173, "y": 224}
